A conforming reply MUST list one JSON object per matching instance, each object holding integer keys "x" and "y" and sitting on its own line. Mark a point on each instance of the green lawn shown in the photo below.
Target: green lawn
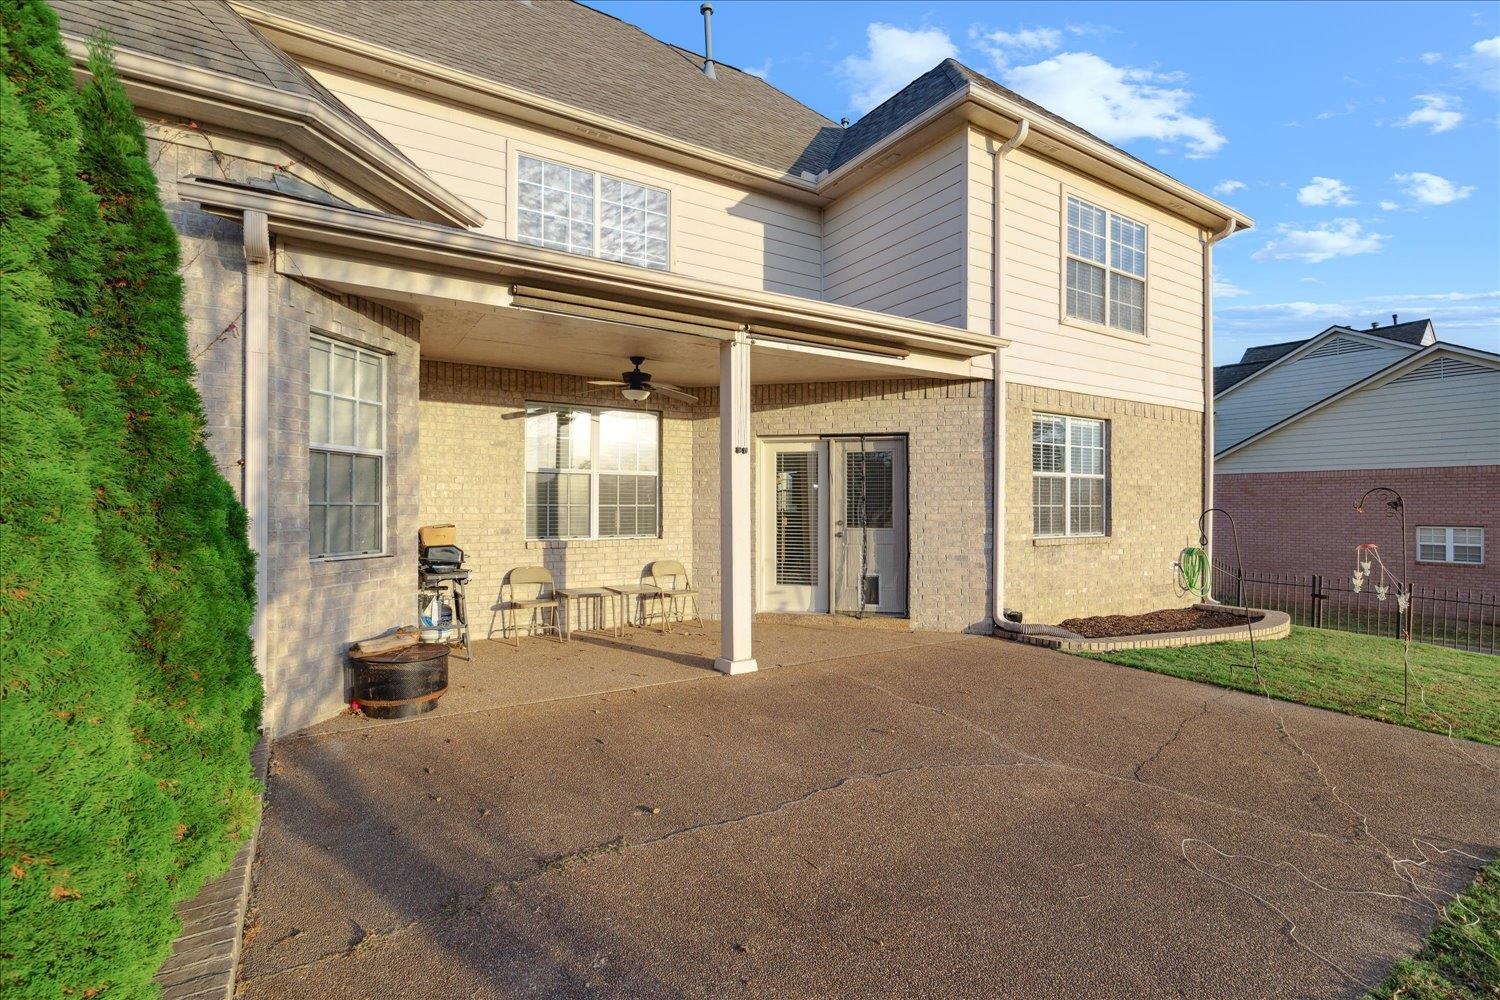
{"x": 1461, "y": 960}
{"x": 1354, "y": 674}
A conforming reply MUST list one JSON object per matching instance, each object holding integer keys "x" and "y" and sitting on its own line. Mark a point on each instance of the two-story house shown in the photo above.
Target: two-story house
{"x": 1304, "y": 428}
{"x": 943, "y": 363}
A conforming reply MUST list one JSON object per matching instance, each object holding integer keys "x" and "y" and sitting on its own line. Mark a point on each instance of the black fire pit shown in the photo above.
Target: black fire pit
{"x": 400, "y": 683}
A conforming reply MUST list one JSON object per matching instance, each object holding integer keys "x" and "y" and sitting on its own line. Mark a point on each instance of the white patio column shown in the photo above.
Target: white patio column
{"x": 736, "y": 507}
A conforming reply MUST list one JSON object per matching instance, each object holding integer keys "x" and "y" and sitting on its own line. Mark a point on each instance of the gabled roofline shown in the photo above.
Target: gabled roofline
{"x": 302, "y": 122}
{"x": 975, "y": 105}
{"x": 462, "y": 252}
{"x": 1371, "y": 381}
{"x": 1311, "y": 342}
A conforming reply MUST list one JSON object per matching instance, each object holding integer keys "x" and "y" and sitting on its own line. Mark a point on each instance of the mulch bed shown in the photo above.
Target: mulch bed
{"x": 1165, "y": 620}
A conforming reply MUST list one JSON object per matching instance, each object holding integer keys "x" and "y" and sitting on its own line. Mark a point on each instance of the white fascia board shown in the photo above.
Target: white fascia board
{"x": 302, "y": 122}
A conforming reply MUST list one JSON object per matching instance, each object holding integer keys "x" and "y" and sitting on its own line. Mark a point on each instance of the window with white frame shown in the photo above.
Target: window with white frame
{"x": 346, "y": 450}
{"x": 1069, "y": 476}
{"x": 592, "y": 473}
{"x": 1451, "y": 545}
{"x": 1106, "y": 268}
{"x": 583, "y": 212}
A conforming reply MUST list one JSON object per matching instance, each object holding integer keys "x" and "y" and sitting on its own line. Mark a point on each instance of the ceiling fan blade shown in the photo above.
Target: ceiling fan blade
{"x": 671, "y": 392}
{"x": 609, "y": 382}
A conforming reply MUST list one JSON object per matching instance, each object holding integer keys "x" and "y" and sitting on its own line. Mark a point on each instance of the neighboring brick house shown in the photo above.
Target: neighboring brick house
{"x": 1303, "y": 429}
{"x": 417, "y": 235}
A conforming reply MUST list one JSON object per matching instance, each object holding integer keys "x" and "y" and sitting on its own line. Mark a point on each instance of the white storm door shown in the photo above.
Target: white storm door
{"x": 868, "y": 500}
{"x": 793, "y": 569}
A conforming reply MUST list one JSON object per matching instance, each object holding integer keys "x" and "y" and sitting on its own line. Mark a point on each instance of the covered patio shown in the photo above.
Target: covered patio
{"x": 508, "y": 330}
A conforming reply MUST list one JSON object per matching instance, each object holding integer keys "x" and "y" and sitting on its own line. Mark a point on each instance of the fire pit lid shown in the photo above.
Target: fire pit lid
{"x": 408, "y": 654}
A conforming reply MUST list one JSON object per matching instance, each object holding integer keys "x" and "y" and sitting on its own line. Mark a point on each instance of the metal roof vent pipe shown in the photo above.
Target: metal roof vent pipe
{"x": 707, "y": 10}
{"x": 1395, "y": 320}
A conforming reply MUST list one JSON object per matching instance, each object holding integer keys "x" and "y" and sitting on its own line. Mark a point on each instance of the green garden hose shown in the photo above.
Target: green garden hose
{"x": 1192, "y": 570}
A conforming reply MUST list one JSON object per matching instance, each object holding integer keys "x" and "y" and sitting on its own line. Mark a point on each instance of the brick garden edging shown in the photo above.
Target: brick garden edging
{"x": 206, "y": 952}
{"x": 1272, "y": 625}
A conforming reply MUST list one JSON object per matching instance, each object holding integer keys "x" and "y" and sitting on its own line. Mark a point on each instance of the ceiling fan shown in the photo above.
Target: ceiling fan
{"x": 636, "y": 385}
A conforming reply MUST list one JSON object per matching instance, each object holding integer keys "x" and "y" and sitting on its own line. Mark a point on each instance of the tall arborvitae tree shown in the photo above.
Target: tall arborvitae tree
{"x": 85, "y": 845}
{"x": 202, "y": 701}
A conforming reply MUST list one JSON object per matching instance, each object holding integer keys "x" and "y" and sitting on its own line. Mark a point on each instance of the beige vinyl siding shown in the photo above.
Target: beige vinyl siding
{"x": 1396, "y": 425}
{"x": 1163, "y": 367}
{"x": 896, "y": 244}
{"x": 1295, "y": 384}
{"x": 718, "y": 232}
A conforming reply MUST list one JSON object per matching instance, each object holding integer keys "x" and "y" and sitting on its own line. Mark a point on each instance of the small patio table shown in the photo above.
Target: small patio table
{"x": 568, "y": 595}
{"x": 625, "y": 591}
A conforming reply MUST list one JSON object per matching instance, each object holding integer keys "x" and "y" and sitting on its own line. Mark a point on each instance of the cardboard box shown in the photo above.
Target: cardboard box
{"x": 437, "y": 534}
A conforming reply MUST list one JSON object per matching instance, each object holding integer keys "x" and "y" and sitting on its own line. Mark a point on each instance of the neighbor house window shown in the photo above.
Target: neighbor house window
{"x": 1451, "y": 545}
{"x": 592, "y": 473}
{"x": 346, "y": 456}
{"x": 1106, "y": 268}
{"x": 580, "y": 211}
{"x": 1069, "y": 487}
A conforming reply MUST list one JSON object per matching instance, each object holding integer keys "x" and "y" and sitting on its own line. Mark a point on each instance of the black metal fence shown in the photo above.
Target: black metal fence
{"x": 1463, "y": 619}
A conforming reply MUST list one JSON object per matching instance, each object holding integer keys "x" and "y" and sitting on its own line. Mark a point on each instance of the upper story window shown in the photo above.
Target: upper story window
{"x": 346, "y": 450}
{"x": 1451, "y": 545}
{"x": 1069, "y": 476}
{"x": 1106, "y": 268}
{"x": 580, "y": 211}
{"x": 592, "y": 473}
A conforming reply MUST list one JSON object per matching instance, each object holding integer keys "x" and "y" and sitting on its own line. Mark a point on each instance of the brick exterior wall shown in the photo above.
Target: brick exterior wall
{"x": 948, "y": 430}
{"x": 314, "y": 610}
{"x": 1155, "y": 487}
{"x": 473, "y": 455}
{"x": 1302, "y": 523}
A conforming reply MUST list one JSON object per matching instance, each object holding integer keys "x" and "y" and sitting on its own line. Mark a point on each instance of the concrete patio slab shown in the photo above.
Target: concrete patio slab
{"x": 952, "y": 816}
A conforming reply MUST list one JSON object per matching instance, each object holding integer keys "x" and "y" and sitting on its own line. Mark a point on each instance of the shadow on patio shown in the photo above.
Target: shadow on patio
{"x": 593, "y": 663}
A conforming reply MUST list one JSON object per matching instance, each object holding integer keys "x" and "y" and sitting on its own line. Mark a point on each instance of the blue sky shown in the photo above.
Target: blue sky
{"x": 1364, "y": 139}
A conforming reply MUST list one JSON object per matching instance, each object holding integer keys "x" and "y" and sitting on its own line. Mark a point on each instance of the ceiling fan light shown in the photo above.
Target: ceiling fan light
{"x": 636, "y": 395}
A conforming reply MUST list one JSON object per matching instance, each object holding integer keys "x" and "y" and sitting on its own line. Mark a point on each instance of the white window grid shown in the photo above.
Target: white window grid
{"x": 602, "y": 479}
{"x": 1106, "y": 268}
{"x": 1462, "y": 546}
{"x": 346, "y": 450}
{"x": 589, "y": 213}
{"x": 1070, "y": 470}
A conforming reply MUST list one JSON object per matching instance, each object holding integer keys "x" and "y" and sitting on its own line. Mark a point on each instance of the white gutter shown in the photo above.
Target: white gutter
{"x": 1208, "y": 241}
{"x": 997, "y": 270}
{"x": 256, "y": 432}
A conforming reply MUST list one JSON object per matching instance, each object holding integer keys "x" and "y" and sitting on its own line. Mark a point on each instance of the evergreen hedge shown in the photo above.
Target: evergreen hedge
{"x": 128, "y": 697}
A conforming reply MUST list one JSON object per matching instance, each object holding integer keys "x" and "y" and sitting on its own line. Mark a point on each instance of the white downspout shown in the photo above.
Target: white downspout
{"x": 257, "y": 449}
{"x": 997, "y": 487}
{"x": 1208, "y": 241}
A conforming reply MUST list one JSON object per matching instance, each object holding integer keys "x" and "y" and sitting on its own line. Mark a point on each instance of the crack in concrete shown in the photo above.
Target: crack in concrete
{"x": 1176, "y": 734}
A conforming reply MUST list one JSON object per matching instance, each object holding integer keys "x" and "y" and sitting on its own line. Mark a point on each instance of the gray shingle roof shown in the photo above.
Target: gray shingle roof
{"x": 578, "y": 56}
{"x": 205, "y": 34}
{"x": 1258, "y": 357}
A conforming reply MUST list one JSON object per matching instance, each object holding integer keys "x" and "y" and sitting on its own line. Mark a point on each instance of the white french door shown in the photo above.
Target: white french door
{"x": 833, "y": 525}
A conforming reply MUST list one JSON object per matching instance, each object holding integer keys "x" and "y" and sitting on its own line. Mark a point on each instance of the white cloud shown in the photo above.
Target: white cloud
{"x": 1430, "y": 189}
{"x": 1325, "y": 191}
{"x": 1117, "y": 103}
{"x": 1438, "y": 113}
{"x": 1389, "y": 206}
{"x": 1030, "y": 39}
{"x": 1484, "y": 65}
{"x": 1226, "y": 289}
{"x": 1431, "y": 57}
{"x": 1226, "y": 188}
{"x": 763, "y": 70}
{"x": 896, "y": 57}
{"x": 1464, "y": 317}
{"x": 1339, "y": 238}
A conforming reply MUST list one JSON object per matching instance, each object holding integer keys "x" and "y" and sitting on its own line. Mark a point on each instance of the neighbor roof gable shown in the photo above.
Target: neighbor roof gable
{"x": 1300, "y": 349}
{"x": 1375, "y": 380}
